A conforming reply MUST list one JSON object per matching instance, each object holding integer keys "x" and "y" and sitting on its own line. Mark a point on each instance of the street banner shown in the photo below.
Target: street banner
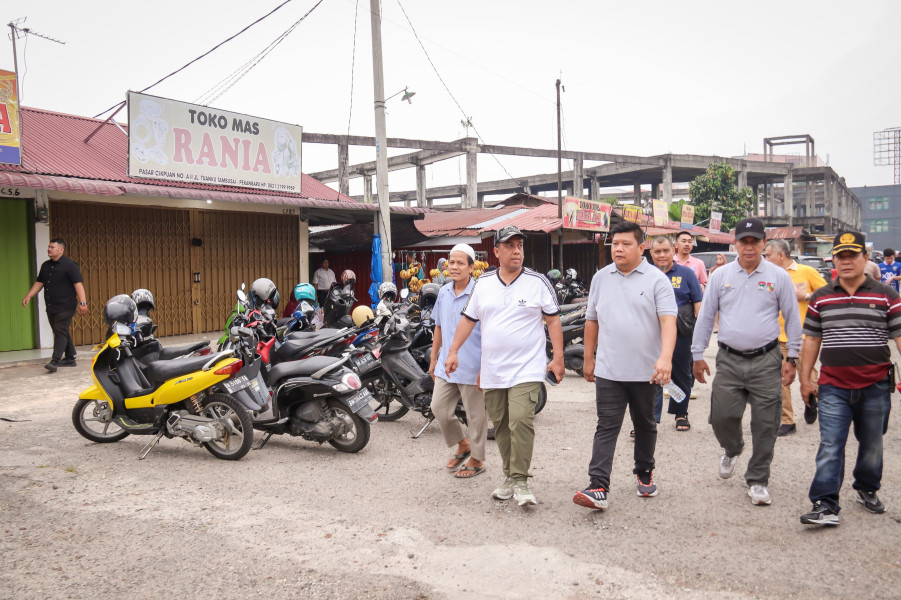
{"x": 177, "y": 141}
{"x": 632, "y": 213}
{"x": 688, "y": 216}
{"x": 586, "y": 215}
{"x": 661, "y": 214}
{"x": 10, "y": 132}
{"x": 716, "y": 220}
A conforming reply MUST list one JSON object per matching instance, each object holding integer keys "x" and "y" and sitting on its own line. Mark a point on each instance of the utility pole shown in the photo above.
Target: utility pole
{"x": 381, "y": 140}
{"x": 559, "y": 184}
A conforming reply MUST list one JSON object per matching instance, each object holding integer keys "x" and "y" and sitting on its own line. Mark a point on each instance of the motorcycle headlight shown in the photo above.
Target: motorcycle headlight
{"x": 349, "y": 383}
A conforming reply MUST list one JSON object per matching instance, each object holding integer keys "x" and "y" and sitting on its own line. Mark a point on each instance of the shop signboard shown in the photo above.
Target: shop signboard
{"x": 177, "y": 141}
{"x": 586, "y": 215}
{"x": 661, "y": 214}
{"x": 716, "y": 220}
{"x": 632, "y": 213}
{"x": 10, "y": 132}
{"x": 688, "y": 216}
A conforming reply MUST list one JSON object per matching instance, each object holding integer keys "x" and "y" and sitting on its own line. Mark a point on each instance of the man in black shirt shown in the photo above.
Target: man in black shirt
{"x": 61, "y": 281}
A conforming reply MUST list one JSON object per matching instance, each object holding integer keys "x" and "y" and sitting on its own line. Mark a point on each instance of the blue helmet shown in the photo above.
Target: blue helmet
{"x": 305, "y": 291}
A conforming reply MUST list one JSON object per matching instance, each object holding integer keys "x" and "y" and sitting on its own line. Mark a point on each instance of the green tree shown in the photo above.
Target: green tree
{"x": 675, "y": 211}
{"x": 717, "y": 188}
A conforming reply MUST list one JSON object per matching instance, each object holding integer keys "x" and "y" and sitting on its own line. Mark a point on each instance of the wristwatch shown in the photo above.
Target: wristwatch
{"x": 82, "y": 304}
{"x": 793, "y": 361}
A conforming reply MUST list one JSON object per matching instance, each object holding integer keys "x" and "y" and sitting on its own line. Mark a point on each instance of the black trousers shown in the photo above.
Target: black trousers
{"x": 321, "y": 295}
{"x": 62, "y": 340}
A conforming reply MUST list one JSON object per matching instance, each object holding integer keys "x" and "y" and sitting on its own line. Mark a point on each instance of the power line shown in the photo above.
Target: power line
{"x": 226, "y": 84}
{"x": 210, "y": 51}
{"x": 353, "y": 61}
{"x": 451, "y": 94}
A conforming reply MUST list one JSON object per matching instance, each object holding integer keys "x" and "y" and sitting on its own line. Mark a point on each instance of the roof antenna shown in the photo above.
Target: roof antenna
{"x": 16, "y": 32}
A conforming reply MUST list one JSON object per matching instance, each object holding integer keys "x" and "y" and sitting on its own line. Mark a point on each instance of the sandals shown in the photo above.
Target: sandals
{"x": 469, "y": 471}
{"x": 682, "y": 424}
{"x": 456, "y": 460}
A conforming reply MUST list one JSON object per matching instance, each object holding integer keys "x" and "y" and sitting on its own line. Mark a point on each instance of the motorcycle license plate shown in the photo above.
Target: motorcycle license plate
{"x": 238, "y": 383}
{"x": 364, "y": 360}
{"x": 358, "y": 400}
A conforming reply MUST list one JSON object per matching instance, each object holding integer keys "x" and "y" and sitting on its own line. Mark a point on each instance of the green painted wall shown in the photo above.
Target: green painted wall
{"x": 17, "y": 324}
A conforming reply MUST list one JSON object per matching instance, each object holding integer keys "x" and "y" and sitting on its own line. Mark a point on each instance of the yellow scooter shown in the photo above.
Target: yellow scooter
{"x": 184, "y": 397}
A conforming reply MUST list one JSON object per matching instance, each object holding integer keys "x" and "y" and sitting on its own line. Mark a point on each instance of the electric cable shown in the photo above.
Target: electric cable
{"x": 208, "y": 52}
{"x": 353, "y": 60}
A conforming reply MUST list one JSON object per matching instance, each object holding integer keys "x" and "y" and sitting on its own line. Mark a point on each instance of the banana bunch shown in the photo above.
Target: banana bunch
{"x": 478, "y": 268}
{"x": 435, "y": 272}
{"x": 416, "y": 284}
{"x": 411, "y": 272}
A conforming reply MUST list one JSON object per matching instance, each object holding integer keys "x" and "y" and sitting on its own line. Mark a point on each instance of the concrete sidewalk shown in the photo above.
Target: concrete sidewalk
{"x": 85, "y": 353}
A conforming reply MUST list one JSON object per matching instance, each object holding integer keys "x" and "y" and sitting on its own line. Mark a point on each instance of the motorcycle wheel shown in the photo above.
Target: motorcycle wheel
{"x": 93, "y": 411}
{"x": 236, "y": 444}
{"x": 542, "y": 400}
{"x": 352, "y": 441}
{"x": 386, "y": 406}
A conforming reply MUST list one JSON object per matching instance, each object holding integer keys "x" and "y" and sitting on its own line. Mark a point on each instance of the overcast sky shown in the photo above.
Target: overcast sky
{"x": 691, "y": 77}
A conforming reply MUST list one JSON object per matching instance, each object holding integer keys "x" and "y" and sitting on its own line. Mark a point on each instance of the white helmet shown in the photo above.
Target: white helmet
{"x": 388, "y": 289}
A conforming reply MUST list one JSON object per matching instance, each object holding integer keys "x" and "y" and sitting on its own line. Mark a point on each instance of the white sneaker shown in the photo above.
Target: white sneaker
{"x": 727, "y": 465}
{"x": 693, "y": 396}
{"x": 505, "y": 491}
{"x": 760, "y": 495}
{"x": 522, "y": 494}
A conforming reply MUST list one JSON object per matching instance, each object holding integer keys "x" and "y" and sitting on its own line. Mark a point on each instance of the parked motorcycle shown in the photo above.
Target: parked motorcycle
{"x": 339, "y": 302}
{"x": 147, "y": 348}
{"x": 172, "y": 398}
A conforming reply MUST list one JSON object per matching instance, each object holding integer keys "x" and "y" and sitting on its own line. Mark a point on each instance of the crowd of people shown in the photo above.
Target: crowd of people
{"x": 647, "y": 328}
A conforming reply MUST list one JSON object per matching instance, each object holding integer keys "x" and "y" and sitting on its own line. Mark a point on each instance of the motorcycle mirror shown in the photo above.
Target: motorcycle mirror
{"x": 243, "y": 287}
{"x": 405, "y": 293}
{"x": 242, "y": 297}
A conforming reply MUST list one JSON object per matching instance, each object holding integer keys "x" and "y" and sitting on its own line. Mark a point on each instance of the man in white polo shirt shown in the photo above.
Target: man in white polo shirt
{"x": 512, "y": 304}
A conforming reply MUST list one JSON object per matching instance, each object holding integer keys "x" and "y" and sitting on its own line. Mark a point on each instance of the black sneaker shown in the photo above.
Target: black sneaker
{"x": 786, "y": 429}
{"x": 592, "y": 497}
{"x": 870, "y": 502}
{"x": 820, "y": 514}
{"x": 646, "y": 486}
{"x": 810, "y": 410}
{"x": 52, "y": 365}
{"x": 67, "y": 362}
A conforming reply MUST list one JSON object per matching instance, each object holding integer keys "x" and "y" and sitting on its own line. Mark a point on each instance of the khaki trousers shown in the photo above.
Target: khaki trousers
{"x": 788, "y": 413}
{"x": 444, "y": 401}
{"x": 512, "y": 411}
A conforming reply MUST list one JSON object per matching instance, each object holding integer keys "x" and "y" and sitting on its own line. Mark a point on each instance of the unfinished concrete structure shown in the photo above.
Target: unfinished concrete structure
{"x": 819, "y": 201}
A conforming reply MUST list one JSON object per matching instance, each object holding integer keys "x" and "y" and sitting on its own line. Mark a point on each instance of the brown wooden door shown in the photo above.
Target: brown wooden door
{"x": 121, "y": 248}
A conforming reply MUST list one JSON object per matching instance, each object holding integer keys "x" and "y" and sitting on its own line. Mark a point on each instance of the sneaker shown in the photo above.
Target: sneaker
{"x": 760, "y": 495}
{"x": 786, "y": 429}
{"x": 727, "y": 465}
{"x": 52, "y": 365}
{"x": 67, "y": 362}
{"x": 505, "y": 491}
{"x": 820, "y": 514}
{"x": 594, "y": 496}
{"x": 870, "y": 502}
{"x": 810, "y": 411}
{"x": 692, "y": 396}
{"x": 646, "y": 487}
{"x": 522, "y": 494}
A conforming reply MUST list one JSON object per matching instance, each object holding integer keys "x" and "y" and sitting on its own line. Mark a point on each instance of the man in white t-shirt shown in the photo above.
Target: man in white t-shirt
{"x": 323, "y": 278}
{"x": 512, "y": 305}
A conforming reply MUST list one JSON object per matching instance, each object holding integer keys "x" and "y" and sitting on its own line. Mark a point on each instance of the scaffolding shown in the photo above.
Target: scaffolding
{"x": 887, "y": 150}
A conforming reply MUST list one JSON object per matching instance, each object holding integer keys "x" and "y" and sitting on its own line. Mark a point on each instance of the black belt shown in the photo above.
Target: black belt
{"x": 749, "y": 353}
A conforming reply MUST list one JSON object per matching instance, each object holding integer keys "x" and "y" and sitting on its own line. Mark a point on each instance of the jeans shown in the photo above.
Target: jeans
{"x": 867, "y": 410}
{"x": 682, "y": 377}
{"x": 612, "y": 398}
{"x": 62, "y": 340}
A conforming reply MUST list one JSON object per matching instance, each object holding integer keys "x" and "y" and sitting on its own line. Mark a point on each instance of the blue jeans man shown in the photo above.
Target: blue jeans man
{"x": 867, "y": 410}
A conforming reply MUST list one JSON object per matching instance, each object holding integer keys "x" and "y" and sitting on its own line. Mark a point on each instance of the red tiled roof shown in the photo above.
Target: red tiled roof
{"x": 460, "y": 222}
{"x": 53, "y": 144}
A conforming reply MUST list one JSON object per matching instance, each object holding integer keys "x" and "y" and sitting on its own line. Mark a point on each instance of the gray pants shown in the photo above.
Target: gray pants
{"x": 444, "y": 401}
{"x": 740, "y": 381}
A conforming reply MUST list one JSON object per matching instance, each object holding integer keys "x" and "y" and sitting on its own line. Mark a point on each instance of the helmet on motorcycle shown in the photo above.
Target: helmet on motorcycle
{"x": 263, "y": 291}
{"x": 388, "y": 291}
{"x": 361, "y": 314}
{"x": 428, "y": 295}
{"x": 120, "y": 309}
{"x": 571, "y": 273}
{"x": 143, "y": 299}
{"x": 304, "y": 291}
{"x": 348, "y": 276}
{"x": 553, "y": 275}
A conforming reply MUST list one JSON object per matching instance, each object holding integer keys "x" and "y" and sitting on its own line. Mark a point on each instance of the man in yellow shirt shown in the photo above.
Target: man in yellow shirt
{"x": 806, "y": 280}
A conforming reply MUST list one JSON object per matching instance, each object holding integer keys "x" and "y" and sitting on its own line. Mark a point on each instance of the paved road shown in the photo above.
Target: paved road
{"x": 81, "y": 520}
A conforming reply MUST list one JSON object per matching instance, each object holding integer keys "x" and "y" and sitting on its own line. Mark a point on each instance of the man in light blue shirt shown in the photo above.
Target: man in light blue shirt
{"x": 463, "y": 382}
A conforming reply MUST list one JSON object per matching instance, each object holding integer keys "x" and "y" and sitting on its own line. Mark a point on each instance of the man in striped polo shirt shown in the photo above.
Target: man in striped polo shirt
{"x": 852, "y": 318}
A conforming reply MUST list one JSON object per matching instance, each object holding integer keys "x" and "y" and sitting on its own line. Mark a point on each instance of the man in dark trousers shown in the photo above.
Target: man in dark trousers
{"x": 61, "y": 281}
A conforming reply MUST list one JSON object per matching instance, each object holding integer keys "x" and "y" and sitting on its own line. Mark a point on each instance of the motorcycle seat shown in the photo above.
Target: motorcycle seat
{"x": 311, "y": 335}
{"x": 565, "y": 308}
{"x": 301, "y": 368}
{"x": 164, "y": 370}
{"x": 176, "y": 351}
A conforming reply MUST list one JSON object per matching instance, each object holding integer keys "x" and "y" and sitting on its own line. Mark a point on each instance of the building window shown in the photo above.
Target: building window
{"x": 878, "y": 226}
{"x": 879, "y": 203}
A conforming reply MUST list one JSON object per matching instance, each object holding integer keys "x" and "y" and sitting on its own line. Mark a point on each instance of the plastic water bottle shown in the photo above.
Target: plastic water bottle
{"x": 675, "y": 392}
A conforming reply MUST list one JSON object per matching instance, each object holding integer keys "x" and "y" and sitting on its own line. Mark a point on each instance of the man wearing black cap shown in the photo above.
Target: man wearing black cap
{"x": 852, "y": 319}
{"x": 749, "y": 295}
